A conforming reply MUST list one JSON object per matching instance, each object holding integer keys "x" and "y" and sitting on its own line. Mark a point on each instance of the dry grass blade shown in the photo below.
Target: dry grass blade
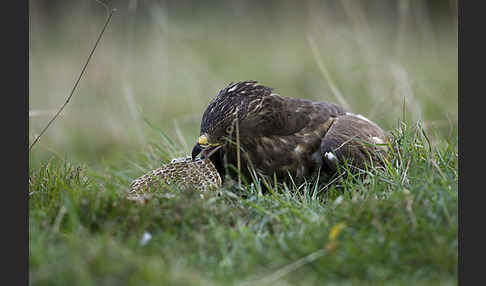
{"x": 275, "y": 276}
{"x": 238, "y": 159}
{"x": 131, "y": 104}
{"x": 326, "y": 74}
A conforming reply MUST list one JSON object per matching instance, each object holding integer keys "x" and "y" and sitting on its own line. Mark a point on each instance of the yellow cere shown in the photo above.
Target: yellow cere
{"x": 202, "y": 140}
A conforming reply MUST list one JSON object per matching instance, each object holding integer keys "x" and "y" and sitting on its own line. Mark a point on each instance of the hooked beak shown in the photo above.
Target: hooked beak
{"x": 202, "y": 146}
{"x": 196, "y": 150}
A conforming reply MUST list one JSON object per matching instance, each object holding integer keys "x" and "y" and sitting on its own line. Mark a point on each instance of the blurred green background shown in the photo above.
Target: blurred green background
{"x": 163, "y": 61}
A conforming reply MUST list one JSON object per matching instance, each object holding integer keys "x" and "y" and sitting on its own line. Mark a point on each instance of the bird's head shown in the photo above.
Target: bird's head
{"x": 232, "y": 105}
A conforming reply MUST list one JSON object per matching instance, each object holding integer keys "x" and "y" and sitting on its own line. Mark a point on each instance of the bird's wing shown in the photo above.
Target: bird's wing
{"x": 282, "y": 116}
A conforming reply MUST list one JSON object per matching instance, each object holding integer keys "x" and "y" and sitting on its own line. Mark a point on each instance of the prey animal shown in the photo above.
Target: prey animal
{"x": 248, "y": 126}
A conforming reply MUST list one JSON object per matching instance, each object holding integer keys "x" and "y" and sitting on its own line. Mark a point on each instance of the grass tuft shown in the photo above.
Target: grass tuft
{"x": 393, "y": 224}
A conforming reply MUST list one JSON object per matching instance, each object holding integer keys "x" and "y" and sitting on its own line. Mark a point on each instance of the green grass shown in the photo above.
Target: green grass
{"x": 140, "y": 103}
{"x": 396, "y": 226}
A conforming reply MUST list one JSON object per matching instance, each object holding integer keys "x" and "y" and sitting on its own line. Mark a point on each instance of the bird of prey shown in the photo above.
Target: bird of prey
{"x": 276, "y": 135}
{"x": 283, "y": 136}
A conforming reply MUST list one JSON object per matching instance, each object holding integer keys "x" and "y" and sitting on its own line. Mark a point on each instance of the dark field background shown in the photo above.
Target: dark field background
{"x": 159, "y": 64}
{"x": 162, "y": 62}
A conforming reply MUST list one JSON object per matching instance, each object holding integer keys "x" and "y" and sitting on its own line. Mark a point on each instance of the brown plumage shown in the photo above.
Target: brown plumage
{"x": 277, "y": 135}
{"x": 283, "y": 135}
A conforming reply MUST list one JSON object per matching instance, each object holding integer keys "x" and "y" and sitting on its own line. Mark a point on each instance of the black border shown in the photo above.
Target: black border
{"x": 471, "y": 76}
{"x": 15, "y": 175}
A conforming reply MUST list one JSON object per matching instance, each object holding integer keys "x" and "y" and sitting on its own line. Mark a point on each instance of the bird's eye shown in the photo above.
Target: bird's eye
{"x": 229, "y": 129}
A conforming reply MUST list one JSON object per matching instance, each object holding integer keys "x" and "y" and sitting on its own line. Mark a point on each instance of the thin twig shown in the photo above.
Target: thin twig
{"x": 77, "y": 81}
